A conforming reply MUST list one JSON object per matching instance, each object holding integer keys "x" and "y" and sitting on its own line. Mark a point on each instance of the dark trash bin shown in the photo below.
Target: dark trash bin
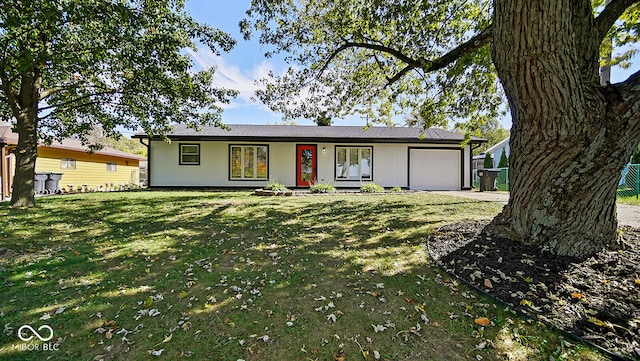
{"x": 488, "y": 179}
{"x": 38, "y": 182}
{"x": 52, "y": 184}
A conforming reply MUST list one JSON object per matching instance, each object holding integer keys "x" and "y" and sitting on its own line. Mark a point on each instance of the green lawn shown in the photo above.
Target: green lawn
{"x": 232, "y": 276}
{"x": 628, "y": 199}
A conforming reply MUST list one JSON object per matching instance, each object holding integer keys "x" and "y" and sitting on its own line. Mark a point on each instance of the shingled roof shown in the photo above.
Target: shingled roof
{"x": 316, "y": 133}
{"x": 7, "y": 136}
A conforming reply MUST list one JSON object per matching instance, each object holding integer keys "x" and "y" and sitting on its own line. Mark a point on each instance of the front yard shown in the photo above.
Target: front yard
{"x": 232, "y": 276}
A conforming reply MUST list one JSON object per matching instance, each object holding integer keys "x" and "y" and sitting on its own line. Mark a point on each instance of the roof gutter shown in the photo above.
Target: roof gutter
{"x": 307, "y": 139}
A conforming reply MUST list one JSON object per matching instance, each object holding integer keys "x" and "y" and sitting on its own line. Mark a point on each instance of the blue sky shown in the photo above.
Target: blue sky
{"x": 241, "y": 67}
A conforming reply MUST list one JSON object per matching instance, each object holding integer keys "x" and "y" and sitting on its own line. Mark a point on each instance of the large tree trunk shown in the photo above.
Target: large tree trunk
{"x": 571, "y": 137}
{"x": 26, "y": 154}
{"x": 25, "y": 109}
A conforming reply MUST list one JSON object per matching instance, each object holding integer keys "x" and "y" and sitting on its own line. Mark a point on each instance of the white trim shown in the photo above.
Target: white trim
{"x": 496, "y": 146}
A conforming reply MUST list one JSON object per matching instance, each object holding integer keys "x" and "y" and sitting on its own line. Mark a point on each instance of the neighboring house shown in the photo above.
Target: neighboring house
{"x": 143, "y": 173}
{"x": 249, "y": 156}
{"x": 78, "y": 167}
{"x": 496, "y": 153}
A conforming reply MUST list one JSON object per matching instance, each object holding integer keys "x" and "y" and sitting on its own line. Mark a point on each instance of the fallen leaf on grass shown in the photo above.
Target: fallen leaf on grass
{"x": 526, "y": 303}
{"x": 156, "y": 352}
{"x": 487, "y": 283}
{"x": 100, "y": 330}
{"x": 578, "y": 296}
{"x": 340, "y": 356}
{"x": 424, "y": 318}
{"x": 600, "y": 323}
{"x": 8, "y": 330}
{"x": 482, "y": 321}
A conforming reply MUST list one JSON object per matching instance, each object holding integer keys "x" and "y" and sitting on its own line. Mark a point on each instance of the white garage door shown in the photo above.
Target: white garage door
{"x": 434, "y": 169}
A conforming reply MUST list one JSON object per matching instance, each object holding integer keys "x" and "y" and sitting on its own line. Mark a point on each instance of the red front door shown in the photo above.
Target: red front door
{"x": 306, "y": 165}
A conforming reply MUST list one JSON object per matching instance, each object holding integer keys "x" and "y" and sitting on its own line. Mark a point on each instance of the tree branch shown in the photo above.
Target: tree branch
{"x": 381, "y": 48}
{"x": 77, "y": 106}
{"x": 399, "y": 75}
{"x": 471, "y": 45}
{"x": 609, "y": 15}
{"x": 8, "y": 90}
{"x": 630, "y": 90}
{"x": 49, "y": 92}
{"x": 623, "y": 102}
{"x": 79, "y": 85}
{"x": 475, "y": 43}
{"x": 76, "y": 100}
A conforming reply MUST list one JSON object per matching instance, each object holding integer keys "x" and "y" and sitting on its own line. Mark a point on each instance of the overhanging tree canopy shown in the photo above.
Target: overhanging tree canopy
{"x": 380, "y": 58}
{"x": 69, "y": 65}
{"x": 570, "y": 136}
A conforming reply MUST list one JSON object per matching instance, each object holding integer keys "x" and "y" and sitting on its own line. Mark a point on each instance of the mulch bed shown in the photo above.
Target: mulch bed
{"x": 597, "y": 299}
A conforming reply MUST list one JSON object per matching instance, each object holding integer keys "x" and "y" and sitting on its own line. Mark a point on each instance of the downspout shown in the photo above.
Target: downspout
{"x": 148, "y": 160}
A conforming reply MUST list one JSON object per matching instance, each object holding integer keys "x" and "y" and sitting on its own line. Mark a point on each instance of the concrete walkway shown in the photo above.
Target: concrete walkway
{"x": 627, "y": 215}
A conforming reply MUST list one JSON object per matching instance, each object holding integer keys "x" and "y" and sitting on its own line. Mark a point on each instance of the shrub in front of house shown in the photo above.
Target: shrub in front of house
{"x": 276, "y": 187}
{"x": 322, "y": 188}
{"x": 371, "y": 188}
{"x": 396, "y": 189}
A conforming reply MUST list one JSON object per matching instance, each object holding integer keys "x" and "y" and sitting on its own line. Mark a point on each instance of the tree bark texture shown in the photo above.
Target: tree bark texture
{"x": 26, "y": 153}
{"x": 571, "y": 137}
{"x": 25, "y": 109}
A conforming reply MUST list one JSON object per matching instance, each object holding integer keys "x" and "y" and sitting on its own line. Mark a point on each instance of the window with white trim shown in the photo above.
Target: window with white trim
{"x": 67, "y": 163}
{"x": 248, "y": 162}
{"x": 111, "y": 167}
{"x": 189, "y": 154}
{"x": 354, "y": 163}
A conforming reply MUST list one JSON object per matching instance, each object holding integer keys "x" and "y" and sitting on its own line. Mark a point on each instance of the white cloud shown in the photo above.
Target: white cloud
{"x": 230, "y": 76}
